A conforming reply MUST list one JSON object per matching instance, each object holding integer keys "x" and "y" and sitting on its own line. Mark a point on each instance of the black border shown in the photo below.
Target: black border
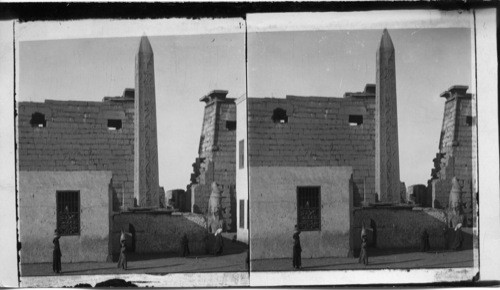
{"x": 32, "y": 11}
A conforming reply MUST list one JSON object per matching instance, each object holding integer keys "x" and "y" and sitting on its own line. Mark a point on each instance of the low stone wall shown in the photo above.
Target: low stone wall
{"x": 159, "y": 232}
{"x": 400, "y": 228}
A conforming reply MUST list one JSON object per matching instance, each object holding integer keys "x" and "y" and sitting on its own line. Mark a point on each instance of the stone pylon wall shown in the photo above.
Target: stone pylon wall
{"x": 218, "y": 150}
{"x": 456, "y": 147}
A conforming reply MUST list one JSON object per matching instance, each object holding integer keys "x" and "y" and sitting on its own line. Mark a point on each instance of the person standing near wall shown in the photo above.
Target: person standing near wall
{"x": 56, "y": 254}
{"x": 424, "y": 241}
{"x": 363, "y": 255}
{"x": 219, "y": 243}
{"x": 122, "y": 261}
{"x": 457, "y": 238}
{"x": 185, "y": 245}
{"x": 297, "y": 249}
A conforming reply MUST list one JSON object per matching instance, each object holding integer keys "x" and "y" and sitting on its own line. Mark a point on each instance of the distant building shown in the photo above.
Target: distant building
{"x": 454, "y": 158}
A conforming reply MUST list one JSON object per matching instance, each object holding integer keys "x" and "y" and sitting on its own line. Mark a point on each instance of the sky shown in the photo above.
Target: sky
{"x": 187, "y": 67}
{"x": 308, "y": 63}
{"x": 330, "y": 63}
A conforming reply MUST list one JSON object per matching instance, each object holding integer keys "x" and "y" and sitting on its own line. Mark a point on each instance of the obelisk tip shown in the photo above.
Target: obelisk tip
{"x": 386, "y": 41}
{"x": 145, "y": 45}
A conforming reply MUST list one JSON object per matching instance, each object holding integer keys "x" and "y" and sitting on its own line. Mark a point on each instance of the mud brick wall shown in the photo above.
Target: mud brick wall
{"x": 217, "y": 146}
{"x": 274, "y": 212}
{"x": 400, "y": 228}
{"x": 317, "y": 134}
{"x": 456, "y": 143}
{"x": 38, "y": 215}
{"x": 77, "y": 138}
{"x": 157, "y": 232}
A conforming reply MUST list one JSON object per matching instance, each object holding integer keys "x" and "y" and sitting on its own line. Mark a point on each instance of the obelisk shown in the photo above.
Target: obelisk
{"x": 146, "y": 184}
{"x": 386, "y": 124}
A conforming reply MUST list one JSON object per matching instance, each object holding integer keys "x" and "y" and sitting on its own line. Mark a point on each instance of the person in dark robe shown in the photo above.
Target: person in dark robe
{"x": 363, "y": 255}
{"x": 122, "y": 261}
{"x": 185, "y": 245}
{"x": 56, "y": 254}
{"x": 207, "y": 242}
{"x": 297, "y": 249}
{"x": 424, "y": 241}
{"x": 219, "y": 244}
{"x": 458, "y": 238}
{"x": 446, "y": 238}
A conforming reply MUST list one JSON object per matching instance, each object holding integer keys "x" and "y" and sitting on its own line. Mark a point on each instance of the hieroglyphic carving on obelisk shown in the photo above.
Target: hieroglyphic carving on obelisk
{"x": 386, "y": 124}
{"x": 146, "y": 184}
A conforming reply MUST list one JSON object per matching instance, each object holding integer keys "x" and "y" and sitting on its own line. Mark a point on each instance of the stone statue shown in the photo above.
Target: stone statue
{"x": 455, "y": 195}
{"x": 455, "y": 213}
{"x": 214, "y": 215}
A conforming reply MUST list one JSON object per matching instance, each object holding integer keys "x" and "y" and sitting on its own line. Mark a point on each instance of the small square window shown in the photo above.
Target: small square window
{"x": 38, "y": 120}
{"x": 355, "y": 120}
{"x": 279, "y": 116}
{"x": 468, "y": 121}
{"x": 114, "y": 124}
{"x": 231, "y": 125}
{"x": 309, "y": 208}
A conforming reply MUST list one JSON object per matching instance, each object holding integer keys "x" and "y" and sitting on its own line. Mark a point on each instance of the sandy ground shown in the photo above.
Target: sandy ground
{"x": 378, "y": 259}
{"x": 231, "y": 270}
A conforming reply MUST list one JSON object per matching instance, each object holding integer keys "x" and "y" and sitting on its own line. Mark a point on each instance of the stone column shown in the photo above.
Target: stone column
{"x": 146, "y": 184}
{"x": 386, "y": 124}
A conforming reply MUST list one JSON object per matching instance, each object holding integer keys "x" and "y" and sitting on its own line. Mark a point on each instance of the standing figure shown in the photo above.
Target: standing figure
{"x": 219, "y": 244}
{"x": 122, "y": 261}
{"x": 363, "y": 255}
{"x": 457, "y": 238}
{"x": 185, "y": 245}
{"x": 56, "y": 254}
{"x": 424, "y": 241}
{"x": 297, "y": 249}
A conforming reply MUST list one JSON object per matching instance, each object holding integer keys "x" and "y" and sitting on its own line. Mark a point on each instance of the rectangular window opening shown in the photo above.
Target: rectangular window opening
{"x": 468, "y": 121}
{"x": 279, "y": 116}
{"x": 242, "y": 213}
{"x": 231, "y": 125}
{"x": 114, "y": 124}
{"x": 241, "y": 154}
{"x": 68, "y": 212}
{"x": 355, "y": 120}
{"x": 38, "y": 120}
{"x": 309, "y": 208}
